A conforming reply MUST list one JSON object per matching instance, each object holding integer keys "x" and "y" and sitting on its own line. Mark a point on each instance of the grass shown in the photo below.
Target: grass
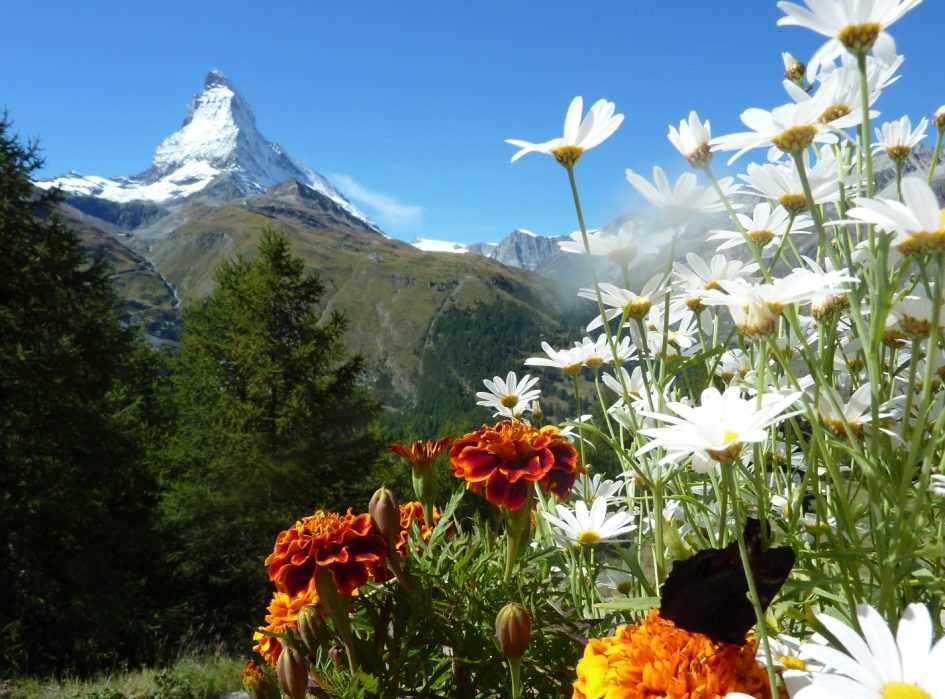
{"x": 189, "y": 676}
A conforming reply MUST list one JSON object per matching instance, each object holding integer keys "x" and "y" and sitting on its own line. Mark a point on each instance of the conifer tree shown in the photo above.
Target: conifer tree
{"x": 273, "y": 424}
{"x": 75, "y": 495}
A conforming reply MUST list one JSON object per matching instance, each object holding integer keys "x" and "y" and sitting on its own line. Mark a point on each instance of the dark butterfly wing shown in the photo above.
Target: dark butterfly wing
{"x": 708, "y": 593}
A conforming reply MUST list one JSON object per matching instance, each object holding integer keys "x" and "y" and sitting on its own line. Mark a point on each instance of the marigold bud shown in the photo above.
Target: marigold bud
{"x": 312, "y": 627}
{"x": 336, "y": 653}
{"x": 292, "y": 672}
{"x": 385, "y": 511}
{"x": 513, "y": 628}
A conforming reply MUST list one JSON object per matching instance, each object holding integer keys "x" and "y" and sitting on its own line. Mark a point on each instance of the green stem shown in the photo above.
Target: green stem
{"x": 935, "y": 150}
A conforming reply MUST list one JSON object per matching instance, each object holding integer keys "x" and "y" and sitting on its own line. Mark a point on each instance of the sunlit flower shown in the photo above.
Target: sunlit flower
{"x": 717, "y": 429}
{"x": 588, "y": 527}
{"x": 346, "y": 545}
{"x": 782, "y": 182}
{"x": 590, "y": 488}
{"x": 411, "y": 512}
{"x": 622, "y": 302}
{"x": 682, "y": 201}
{"x": 854, "y": 24}
{"x": 509, "y": 397}
{"x": 790, "y": 128}
{"x": 568, "y": 360}
{"x": 733, "y": 363}
{"x": 698, "y": 277}
{"x": 422, "y": 454}
{"x": 579, "y": 134}
{"x": 877, "y": 665}
{"x": 654, "y": 658}
{"x": 692, "y": 140}
{"x": 598, "y": 352}
{"x": 283, "y": 614}
{"x": 838, "y": 95}
{"x": 502, "y": 461}
{"x": 854, "y": 414}
{"x": 621, "y": 246}
{"x": 898, "y": 138}
{"x": 917, "y": 220}
{"x": 764, "y": 228}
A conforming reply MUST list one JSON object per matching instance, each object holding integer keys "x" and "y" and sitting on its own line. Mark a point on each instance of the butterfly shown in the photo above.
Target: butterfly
{"x": 708, "y": 593}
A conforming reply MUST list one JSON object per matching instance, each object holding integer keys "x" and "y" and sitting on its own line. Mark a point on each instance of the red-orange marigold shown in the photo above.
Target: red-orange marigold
{"x": 422, "y": 453}
{"x": 503, "y": 460}
{"x": 346, "y": 545}
{"x": 410, "y": 512}
{"x": 655, "y": 658}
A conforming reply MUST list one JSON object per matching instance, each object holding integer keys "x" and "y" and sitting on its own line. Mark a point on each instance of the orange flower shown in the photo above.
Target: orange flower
{"x": 283, "y": 614}
{"x": 421, "y": 454}
{"x": 656, "y": 659}
{"x": 503, "y": 461}
{"x": 346, "y": 545}
{"x": 409, "y": 512}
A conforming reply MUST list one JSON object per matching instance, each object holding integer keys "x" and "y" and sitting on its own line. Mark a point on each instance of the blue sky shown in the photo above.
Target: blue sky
{"x": 405, "y": 106}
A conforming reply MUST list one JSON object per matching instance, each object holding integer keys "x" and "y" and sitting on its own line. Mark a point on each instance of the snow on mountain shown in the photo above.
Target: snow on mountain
{"x": 427, "y": 245}
{"x": 218, "y": 139}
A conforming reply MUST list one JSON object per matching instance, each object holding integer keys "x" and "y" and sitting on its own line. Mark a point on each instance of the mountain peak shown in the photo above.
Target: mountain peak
{"x": 217, "y": 141}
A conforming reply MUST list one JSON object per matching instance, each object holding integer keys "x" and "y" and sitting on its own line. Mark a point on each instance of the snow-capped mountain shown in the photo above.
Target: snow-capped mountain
{"x": 218, "y": 144}
{"x": 520, "y": 248}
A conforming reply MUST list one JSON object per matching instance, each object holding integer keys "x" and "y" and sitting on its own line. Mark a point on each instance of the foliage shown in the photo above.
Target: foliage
{"x": 77, "y": 411}
{"x": 272, "y": 421}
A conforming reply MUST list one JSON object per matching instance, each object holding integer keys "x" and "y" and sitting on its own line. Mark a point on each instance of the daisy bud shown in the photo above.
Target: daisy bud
{"x": 258, "y": 683}
{"x": 293, "y": 673}
{"x": 939, "y": 118}
{"x": 794, "y": 70}
{"x": 513, "y": 628}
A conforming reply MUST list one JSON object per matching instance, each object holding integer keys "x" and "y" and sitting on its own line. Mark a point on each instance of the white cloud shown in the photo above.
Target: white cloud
{"x": 390, "y": 211}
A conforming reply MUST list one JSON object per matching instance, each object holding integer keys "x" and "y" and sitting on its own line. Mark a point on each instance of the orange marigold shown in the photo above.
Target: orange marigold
{"x": 421, "y": 454}
{"x": 283, "y": 614}
{"x": 346, "y": 545}
{"x": 655, "y": 658}
{"x": 410, "y": 512}
{"x": 503, "y": 460}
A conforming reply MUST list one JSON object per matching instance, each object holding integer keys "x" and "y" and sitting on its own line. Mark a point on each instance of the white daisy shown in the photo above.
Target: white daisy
{"x": 591, "y": 488}
{"x": 876, "y": 665}
{"x": 692, "y": 140}
{"x": 509, "y": 397}
{"x": 856, "y": 25}
{"x": 854, "y": 413}
{"x": 682, "y": 201}
{"x": 717, "y": 429}
{"x": 568, "y": 360}
{"x": 579, "y": 135}
{"x": 781, "y": 181}
{"x": 622, "y": 302}
{"x": 698, "y": 277}
{"x": 917, "y": 220}
{"x": 790, "y": 128}
{"x": 621, "y": 246}
{"x": 588, "y": 527}
{"x": 764, "y": 228}
{"x": 898, "y": 138}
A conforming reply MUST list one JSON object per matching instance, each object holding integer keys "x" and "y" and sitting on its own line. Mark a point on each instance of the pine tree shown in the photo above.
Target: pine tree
{"x": 273, "y": 424}
{"x": 75, "y": 495}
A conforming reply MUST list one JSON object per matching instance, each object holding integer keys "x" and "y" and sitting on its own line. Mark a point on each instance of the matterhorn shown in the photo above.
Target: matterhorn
{"x": 217, "y": 155}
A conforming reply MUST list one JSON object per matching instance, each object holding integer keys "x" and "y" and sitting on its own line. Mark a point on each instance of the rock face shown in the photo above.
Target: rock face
{"x": 216, "y": 155}
{"x": 522, "y": 249}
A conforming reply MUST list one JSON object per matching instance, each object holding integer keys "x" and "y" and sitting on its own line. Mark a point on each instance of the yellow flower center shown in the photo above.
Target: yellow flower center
{"x": 700, "y": 156}
{"x": 903, "y": 690}
{"x": 917, "y": 327}
{"x": 792, "y": 662}
{"x": 594, "y": 362}
{"x": 760, "y": 236}
{"x": 567, "y": 154}
{"x": 795, "y": 138}
{"x": 899, "y": 152}
{"x": 793, "y": 202}
{"x": 859, "y": 38}
{"x": 637, "y": 308}
{"x": 834, "y": 111}
{"x": 588, "y": 537}
{"x": 728, "y": 437}
{"x": 572, "y": 369}
{"x": 509, "y": 400}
